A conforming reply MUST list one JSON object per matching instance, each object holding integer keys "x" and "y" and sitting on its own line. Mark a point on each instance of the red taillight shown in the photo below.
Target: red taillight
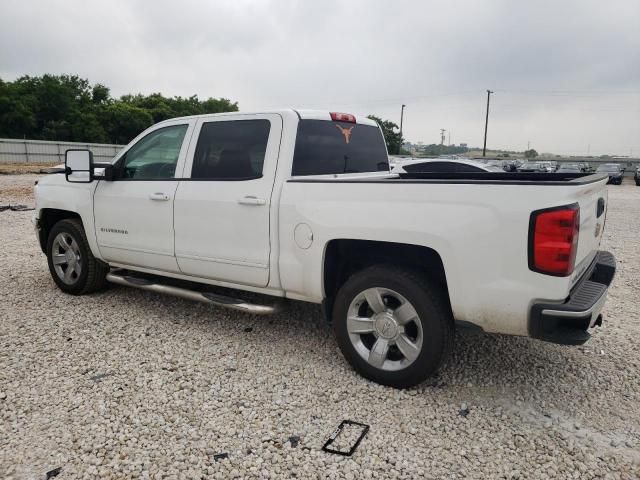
{"x": 343, "y": 117}
{"x": 553, "y": 240}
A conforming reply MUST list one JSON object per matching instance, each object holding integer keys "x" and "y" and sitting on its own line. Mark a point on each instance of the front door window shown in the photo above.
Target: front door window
{"x": 155, "y": 156}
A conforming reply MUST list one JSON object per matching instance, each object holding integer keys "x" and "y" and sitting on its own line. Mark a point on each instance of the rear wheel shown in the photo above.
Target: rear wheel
{"x": 73, "y": 267}
{"x": 392, "y": 325}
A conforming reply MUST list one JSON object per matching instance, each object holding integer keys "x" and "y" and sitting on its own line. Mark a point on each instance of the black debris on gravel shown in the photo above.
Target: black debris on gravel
{"x": 219, "y": 456}
{"x": 15, "y": 208}
{"x": 53, "y": 473}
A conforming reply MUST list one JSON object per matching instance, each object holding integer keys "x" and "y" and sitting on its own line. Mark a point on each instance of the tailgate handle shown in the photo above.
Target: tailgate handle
{"x": 600, "y": 209}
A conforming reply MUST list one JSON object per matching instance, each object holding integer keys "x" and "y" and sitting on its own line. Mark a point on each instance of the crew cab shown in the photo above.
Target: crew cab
{"x": 302, "y": 205}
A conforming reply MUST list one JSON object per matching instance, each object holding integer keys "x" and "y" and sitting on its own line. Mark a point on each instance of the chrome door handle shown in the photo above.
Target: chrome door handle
{"x": 251, "y": 200}
{"x": 159, "y": 197}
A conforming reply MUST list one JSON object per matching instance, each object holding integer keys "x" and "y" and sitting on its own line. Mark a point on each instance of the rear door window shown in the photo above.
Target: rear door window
{"x": 231, "y": 150}
{"x": 326, "y": 147}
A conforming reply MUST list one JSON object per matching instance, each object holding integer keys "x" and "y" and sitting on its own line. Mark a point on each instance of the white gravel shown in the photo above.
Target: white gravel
{"x": 128, "y": 384}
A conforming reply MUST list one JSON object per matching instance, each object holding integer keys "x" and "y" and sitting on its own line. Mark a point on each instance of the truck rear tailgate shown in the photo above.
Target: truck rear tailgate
{"x": 592, "y": 200}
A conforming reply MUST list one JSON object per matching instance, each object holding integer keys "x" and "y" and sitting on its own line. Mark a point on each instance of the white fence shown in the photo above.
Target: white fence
{"x": 14, "y": 150}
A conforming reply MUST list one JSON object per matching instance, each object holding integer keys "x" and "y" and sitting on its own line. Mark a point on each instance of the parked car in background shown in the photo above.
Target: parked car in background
{"x": 636, "y": 176}
{"x": 569, "y": 168}
{"x": 533, "y": 167}
{"x": 501, "y": 164}
{"x": 442, "y": 165}
{"x": 550, "y": 166}
{"x": 512, "y": 165}
{"x": 613, "y": 170}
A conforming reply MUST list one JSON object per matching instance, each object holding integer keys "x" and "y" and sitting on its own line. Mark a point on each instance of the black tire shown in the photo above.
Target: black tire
{"x": 430, "y": 304}
{"x": 93, "y": 273}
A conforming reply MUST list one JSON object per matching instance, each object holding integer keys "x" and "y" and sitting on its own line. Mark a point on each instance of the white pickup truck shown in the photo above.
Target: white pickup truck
{"x": 302, "y": 205}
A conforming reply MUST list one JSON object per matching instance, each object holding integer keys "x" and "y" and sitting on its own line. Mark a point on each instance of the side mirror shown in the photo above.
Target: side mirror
{"x": 78, "y": 166}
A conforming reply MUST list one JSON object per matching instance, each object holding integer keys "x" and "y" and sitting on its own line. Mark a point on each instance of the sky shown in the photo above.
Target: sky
{"x": 566, "y": 74}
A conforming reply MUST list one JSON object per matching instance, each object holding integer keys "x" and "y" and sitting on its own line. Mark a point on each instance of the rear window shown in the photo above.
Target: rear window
{"x": 324, "y": 147}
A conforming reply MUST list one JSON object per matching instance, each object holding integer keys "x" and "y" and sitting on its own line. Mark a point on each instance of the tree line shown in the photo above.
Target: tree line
{"x": 69, "y": 108}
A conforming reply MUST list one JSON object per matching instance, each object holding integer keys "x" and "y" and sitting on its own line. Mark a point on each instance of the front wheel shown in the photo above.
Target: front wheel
{"x": 392, "y": 325}
{"x": 71, "y": 263}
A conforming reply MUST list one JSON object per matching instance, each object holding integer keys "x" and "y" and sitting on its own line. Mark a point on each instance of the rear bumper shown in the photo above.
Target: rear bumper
{"x": 568, "y": 323}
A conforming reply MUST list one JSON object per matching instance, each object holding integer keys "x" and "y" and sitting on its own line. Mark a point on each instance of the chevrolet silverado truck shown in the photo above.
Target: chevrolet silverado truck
{"x": 302, "y": 205}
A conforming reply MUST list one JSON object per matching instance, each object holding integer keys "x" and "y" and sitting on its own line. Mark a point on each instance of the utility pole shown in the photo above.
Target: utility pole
{"x": 486, "y": 124}
{"x": 442, "y": 130}
{"x": 401, "y": 119}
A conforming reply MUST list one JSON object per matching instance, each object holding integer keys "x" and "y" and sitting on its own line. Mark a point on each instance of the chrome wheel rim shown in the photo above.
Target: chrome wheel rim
{"x": 66, "y": 258}
{"x": 385, "y": 329}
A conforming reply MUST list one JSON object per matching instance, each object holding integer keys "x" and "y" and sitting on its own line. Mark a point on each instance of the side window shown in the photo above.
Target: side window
{"x": 444, "y": 167}
{"x": 430, "y": 167}
{"x": 464, "y": 168}
{"x": 155, "y": 156}
{"x": 425, "y": 167}
{"x": 231, "y": 150}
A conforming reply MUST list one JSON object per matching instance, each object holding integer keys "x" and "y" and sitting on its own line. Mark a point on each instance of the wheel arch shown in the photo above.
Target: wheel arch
{"x": 344, "y": 257}
{"x": 48, "y": 218}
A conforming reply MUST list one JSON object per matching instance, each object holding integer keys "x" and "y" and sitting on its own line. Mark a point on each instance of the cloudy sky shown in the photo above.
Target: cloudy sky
{"x": 566, "y": 74}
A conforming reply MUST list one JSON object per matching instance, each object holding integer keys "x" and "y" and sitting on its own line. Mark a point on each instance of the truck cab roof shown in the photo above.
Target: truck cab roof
{"x": 302, "y": 114}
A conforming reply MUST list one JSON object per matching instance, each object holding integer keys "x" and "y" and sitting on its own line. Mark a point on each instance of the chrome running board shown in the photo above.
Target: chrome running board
{"x": 204, "y": 297}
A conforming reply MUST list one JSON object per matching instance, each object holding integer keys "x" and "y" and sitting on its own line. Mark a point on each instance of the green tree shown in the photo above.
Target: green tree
{"x": 123, "y": 121}
{"x": 391, "y": 137}
{"x": 100, "y": 94}
{"x": 530, "y": 153}
{"x": 67, "y": 107}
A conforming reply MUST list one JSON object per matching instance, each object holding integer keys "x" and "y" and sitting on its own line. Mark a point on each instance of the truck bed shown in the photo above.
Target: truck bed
{"x": 478, "y": 223}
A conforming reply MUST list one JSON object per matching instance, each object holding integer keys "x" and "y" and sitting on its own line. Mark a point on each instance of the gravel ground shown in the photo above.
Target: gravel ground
{"x": 128, "y": 384}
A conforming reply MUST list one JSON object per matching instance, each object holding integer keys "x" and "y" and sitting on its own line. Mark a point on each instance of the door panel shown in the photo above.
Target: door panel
{"x": 134, "y": 213}
{"x": 222, "y": 224}
{"x": 134, "y": 229}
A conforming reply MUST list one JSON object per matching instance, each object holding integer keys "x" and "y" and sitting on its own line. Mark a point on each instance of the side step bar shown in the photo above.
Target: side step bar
{"x": 204, "y": 297}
